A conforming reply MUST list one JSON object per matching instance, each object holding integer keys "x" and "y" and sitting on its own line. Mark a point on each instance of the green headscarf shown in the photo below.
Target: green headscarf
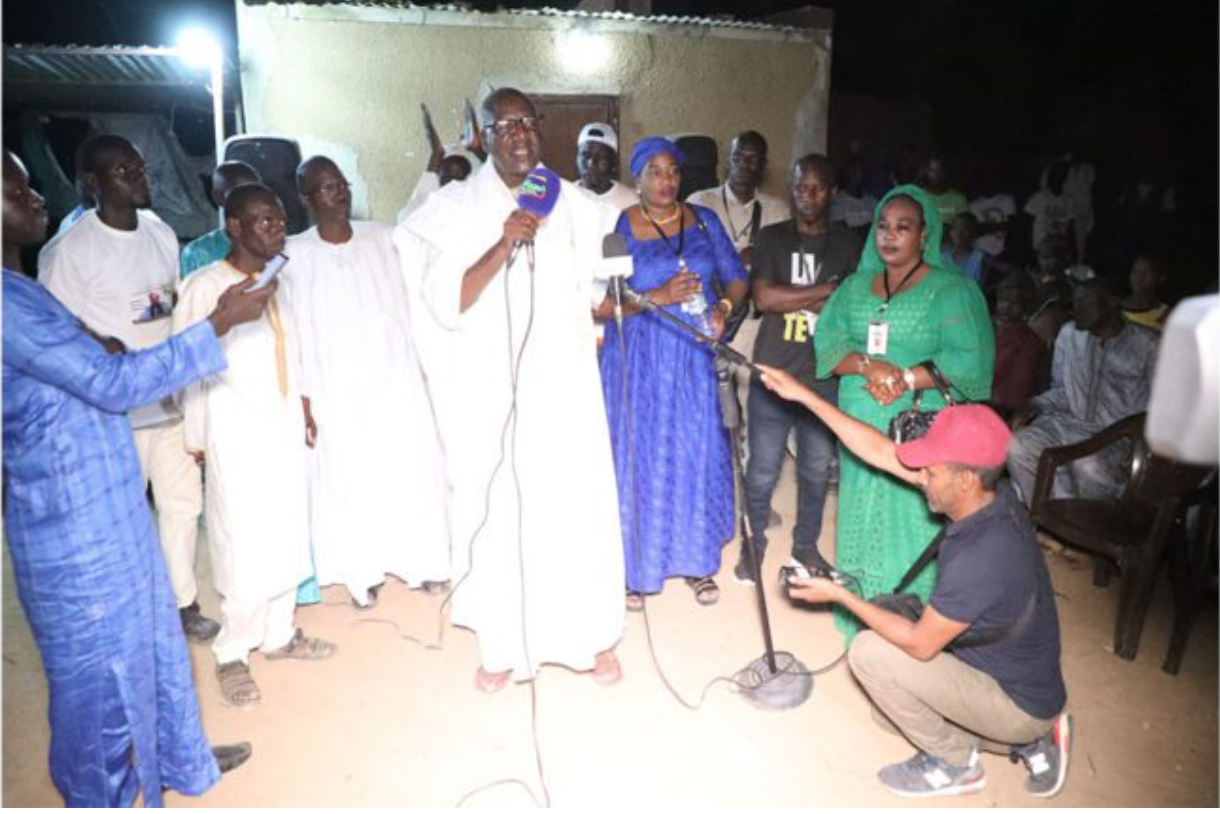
{"x": 870, "y": 259}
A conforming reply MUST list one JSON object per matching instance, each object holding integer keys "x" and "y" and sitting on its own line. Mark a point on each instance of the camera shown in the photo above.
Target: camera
{"x": 788, "y": 573}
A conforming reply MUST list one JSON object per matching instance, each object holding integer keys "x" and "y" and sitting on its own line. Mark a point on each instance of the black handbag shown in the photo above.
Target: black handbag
{"x": 913, "y": 422}
{"x": 910, "y": 606}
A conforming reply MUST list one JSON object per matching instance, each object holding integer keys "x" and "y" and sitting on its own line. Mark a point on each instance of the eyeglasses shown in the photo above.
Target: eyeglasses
{"x": 330, "y": 187}
{"x": 502, "y": 127}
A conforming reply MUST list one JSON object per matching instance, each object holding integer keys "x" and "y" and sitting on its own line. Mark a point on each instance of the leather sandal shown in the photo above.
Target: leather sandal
{"x": 707, "y": 592}
{"x": 237, "y": 687}
{"x": 305, "y": 648}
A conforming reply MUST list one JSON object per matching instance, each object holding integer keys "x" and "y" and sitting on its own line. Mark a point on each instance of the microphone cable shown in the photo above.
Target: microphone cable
{"x": 629, "y": 420}
{"x": 511, "y": 419}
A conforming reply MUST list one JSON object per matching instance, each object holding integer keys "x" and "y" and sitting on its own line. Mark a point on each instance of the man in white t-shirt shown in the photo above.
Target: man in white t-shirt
{"x": 116, "y": 269}
{"x": 994, "y": 209}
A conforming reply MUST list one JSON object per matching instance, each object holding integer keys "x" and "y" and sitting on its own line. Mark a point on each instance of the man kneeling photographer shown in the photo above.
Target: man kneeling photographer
{"x": 979, "y": 667}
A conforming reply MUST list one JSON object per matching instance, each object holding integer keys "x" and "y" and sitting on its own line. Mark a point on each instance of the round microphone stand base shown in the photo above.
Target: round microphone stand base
{"x": 788, "y": 687}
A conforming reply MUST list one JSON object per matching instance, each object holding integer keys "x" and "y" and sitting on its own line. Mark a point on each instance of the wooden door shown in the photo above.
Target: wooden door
{"x": 562, "y": 119}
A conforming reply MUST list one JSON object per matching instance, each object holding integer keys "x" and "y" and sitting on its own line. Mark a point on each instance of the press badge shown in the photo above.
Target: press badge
{"x": 878, "y": 337}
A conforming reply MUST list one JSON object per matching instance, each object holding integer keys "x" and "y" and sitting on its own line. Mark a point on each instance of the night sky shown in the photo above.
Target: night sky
{"x": 993, "y": 72}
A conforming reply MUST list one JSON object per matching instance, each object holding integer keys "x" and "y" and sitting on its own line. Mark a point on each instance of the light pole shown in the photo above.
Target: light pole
{"x": 199, "y": 49}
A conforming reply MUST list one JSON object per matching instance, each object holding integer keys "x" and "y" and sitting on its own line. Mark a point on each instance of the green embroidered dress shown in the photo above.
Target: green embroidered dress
{"x": 883, "y": 524}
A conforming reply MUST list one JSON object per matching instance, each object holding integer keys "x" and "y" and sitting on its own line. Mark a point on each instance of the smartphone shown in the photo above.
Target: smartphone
{"x": 272, "y": 269}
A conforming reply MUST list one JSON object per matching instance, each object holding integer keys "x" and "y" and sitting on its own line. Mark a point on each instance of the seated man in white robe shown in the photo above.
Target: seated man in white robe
{"x": 538, "y": 563}
{"x": 377, "y": 482}
{"x": 251, "y": 424}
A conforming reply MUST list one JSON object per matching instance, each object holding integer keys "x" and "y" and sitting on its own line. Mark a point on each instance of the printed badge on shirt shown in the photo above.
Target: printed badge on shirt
{"x": 151, "y": 304}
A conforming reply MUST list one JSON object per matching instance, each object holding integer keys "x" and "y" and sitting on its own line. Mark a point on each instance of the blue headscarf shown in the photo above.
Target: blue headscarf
{"x": 646, "y": 148}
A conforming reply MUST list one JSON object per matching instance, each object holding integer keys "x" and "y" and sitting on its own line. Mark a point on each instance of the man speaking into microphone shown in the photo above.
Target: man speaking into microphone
{"x": 504, "y": 266}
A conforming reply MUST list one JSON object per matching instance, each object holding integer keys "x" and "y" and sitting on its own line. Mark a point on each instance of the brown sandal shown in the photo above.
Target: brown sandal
{"x": 707, "y": 592}
{"x": 303, "y": 647}
{"x": 237, "y": 687}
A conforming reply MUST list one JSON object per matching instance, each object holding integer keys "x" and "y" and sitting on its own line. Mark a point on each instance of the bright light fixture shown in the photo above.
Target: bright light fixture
{"x": 582, "y": 52}
{"x": 198, "y": 48}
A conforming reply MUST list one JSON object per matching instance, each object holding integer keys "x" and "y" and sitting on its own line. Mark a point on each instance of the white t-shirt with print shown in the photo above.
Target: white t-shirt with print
{"x": 120, "y": 284}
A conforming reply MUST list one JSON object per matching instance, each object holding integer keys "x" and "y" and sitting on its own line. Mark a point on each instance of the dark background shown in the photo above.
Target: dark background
{"x": 1131, "y": 86}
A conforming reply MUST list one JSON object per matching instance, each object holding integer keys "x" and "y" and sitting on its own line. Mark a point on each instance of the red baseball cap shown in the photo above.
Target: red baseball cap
{"x": 969, "y": 434}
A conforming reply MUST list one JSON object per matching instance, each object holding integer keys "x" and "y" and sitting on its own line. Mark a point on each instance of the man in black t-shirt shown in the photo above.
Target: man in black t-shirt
{"x": 798, "y": 264}
{"x": 980, "y": 667}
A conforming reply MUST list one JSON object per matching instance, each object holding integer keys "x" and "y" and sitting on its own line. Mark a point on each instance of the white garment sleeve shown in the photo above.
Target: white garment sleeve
{"x": 428, "y": 183}
{"x": 193, "y": 306}
{"x": 442, "y": 276}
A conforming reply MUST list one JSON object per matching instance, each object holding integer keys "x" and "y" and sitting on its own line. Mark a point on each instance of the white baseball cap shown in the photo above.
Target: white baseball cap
{"x": 599, "y": 132}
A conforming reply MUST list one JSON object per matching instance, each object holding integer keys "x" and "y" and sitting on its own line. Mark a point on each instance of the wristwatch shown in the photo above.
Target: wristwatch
{"x": 908, "y": 377}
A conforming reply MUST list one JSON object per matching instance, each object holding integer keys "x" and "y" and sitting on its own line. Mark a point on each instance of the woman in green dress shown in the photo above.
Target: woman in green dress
{"x": 900, "y": 308}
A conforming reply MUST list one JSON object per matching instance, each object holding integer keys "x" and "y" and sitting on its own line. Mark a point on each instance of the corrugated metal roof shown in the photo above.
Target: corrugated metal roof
{"x": 661, "y": 19}
{"x": 97, "y": 65}
{"x": 109, "y": 77}
{"x": 622, "y": 16}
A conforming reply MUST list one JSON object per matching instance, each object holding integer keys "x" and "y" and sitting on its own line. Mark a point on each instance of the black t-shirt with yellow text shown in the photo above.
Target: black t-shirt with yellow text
{"x": 785, "y": 257}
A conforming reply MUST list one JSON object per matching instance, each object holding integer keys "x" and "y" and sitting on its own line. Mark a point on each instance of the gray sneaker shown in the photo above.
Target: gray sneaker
{"x": 927, "y": 776}
{"x": 1047, "y": 758}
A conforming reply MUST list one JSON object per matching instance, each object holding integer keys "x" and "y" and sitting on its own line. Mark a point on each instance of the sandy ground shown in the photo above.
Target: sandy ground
{"x": 390, "y": 723}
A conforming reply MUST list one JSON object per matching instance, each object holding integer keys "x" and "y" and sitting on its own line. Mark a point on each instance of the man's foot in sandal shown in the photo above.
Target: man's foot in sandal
{"x": 635, "y": 602}
{"x": 705, "y": 588}
{"x": 606, "y": 669}
{"x": 303, "y": 647}
{"x": 490, "y": 682}
{"x": 237, "y": 687}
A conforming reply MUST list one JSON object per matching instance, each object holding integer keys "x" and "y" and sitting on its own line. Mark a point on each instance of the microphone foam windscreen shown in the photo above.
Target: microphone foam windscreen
{"x": 614, "y": 245}
{"x": 539, "y": 192}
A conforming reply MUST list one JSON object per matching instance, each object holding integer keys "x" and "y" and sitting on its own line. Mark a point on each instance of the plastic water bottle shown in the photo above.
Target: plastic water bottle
{"x": 697, "y": 309}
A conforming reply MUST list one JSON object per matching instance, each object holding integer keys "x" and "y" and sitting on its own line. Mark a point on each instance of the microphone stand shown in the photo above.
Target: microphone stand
{"x": 768, "y": 681}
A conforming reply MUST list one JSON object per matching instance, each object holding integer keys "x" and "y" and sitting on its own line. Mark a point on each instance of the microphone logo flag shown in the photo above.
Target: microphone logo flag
{"x": 539, "y": 192}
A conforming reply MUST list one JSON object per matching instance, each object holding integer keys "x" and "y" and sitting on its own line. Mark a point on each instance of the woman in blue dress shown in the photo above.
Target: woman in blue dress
{"x": 671, "y": 452}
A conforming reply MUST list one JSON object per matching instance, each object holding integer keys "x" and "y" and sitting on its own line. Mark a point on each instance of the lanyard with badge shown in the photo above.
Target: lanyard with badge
{"x": 879, "y": 328}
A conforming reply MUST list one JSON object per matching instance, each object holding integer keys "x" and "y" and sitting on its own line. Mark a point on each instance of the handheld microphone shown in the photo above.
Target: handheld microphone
{"x": 618, "y": 265}
{"x": 537, "y": 195}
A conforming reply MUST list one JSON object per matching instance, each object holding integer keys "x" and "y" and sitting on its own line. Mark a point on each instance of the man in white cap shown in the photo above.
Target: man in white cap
{"x": 597, "y": 163}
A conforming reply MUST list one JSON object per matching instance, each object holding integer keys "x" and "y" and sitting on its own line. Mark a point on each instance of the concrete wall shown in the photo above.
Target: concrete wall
{"x": 348, "y": 81}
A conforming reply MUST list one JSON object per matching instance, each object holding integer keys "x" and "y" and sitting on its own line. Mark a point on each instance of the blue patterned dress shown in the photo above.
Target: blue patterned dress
{"x": 683, "y": 471}
{"x": 89, "y": 570}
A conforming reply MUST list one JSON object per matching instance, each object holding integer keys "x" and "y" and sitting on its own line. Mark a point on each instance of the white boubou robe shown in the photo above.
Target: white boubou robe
{"x": 378, "y": 499}
{"x": 253, "y": 437}
{"x": 552, "y": 593}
